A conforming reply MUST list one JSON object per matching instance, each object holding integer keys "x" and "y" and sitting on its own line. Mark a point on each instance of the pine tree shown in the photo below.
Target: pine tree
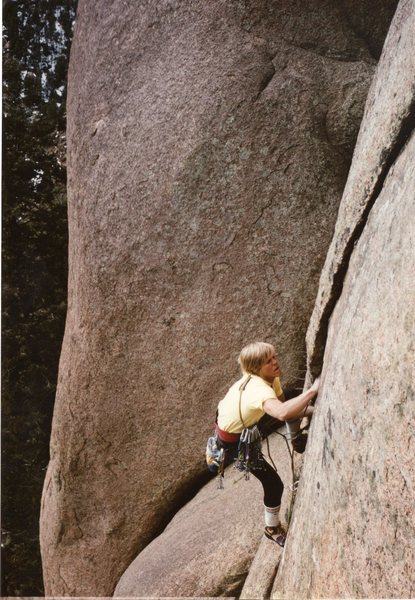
{"x": 36, "y": 42}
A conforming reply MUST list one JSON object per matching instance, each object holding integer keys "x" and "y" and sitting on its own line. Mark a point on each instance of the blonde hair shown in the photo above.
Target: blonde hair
{"x": 254, "y": 355}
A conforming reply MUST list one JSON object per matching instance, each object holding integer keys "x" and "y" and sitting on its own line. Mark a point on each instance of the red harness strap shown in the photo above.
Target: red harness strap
{"x": 227, "y": 437}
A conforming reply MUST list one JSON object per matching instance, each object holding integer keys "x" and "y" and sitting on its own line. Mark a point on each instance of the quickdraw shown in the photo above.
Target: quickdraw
{"x": 249, "y": 451}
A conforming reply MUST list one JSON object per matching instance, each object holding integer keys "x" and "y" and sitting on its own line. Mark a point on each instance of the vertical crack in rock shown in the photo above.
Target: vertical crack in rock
{"x": 316, "y": 359}
{"x": 65, "y": 584}
{"x": 267, "y": 593}
{"x": 261, "y": 214}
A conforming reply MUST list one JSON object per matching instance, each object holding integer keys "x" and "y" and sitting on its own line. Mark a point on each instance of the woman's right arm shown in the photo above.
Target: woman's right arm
{"x": 291, "y": 409}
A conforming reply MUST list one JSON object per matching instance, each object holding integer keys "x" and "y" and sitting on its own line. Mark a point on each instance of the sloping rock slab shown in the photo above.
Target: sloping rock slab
{"x": 388, "y": 119}
{"x": 262, "y": 571}
{"x": 353, "y": 528}
{"x": 207, "y": 549}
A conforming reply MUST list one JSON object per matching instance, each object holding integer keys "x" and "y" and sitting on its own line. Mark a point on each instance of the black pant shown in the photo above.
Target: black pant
{"x": 271, "y": 481}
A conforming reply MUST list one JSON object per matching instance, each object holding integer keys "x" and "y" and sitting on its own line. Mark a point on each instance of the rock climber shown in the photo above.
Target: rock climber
{"x": 251, "y": 401}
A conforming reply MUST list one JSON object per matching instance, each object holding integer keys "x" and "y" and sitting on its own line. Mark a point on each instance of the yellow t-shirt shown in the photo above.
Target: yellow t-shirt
{"x": 253, "y": 398}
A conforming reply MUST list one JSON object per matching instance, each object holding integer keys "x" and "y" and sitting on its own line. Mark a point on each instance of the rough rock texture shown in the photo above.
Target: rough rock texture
{"x": 208, "y": 144}
{"x": 353, "y": 527}
{"x": 389, "y": 117}
{"x": 207, "y": 548}
{"x": 262, "y": 571}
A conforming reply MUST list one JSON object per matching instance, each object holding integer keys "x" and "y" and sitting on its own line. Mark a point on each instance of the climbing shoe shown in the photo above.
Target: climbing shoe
{"x": 276, "y": 534}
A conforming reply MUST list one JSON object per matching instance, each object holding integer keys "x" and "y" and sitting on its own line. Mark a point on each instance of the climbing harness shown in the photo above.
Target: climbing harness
{"x": 249, "y": 454}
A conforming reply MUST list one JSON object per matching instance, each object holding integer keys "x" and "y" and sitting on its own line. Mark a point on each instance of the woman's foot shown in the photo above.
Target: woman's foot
{"x": 276, "y": 534}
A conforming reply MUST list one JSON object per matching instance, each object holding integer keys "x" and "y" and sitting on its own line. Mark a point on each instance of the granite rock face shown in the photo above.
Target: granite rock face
{"x": 207, "y": 548}
{"x": 389, "y": 117}
{"x": 208, "y": 145}
{"x": 353, "y": 527}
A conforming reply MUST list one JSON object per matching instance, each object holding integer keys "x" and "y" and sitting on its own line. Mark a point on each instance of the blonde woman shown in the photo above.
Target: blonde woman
{"x": 256, "y": 394}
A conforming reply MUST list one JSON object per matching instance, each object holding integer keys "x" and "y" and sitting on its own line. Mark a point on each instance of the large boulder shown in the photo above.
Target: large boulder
{"x": 208, "y": 145}
{"x": 353, "y": 528}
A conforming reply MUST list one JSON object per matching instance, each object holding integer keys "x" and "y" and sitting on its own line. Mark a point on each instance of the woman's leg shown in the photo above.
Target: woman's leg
{"x": 273, "y": 489}
{"x": 271, "y": 483}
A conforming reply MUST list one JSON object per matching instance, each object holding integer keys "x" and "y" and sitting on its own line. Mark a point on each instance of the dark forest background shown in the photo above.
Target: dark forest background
{"x": 36, "y": 43}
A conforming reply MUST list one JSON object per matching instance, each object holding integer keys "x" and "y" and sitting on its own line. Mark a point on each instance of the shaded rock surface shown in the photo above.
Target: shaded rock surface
{"x": 208, "y": 144}
{"x": 371, "y": 28}
{"x": 353, "y": 527}
{"x": 207, "y": 548}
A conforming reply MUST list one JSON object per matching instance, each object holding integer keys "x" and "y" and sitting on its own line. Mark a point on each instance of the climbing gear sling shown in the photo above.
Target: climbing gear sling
{"x": 250, "y": 444}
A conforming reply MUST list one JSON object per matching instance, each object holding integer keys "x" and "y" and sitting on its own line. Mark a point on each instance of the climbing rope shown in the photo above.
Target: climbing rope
{"x": 294, "y": 485}
{"x": 295, "y": 481}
